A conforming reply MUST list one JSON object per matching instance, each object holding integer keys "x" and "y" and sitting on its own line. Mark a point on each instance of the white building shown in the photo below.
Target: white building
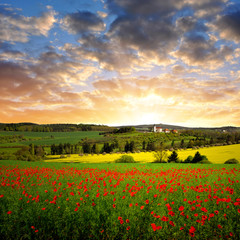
{"x": 157, "y": 129}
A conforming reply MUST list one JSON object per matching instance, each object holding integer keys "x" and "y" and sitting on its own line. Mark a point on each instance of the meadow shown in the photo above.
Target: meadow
{"x": 48, "y": 138}
{"x": 41, "y": 200}
{"x": 217, "y": 154}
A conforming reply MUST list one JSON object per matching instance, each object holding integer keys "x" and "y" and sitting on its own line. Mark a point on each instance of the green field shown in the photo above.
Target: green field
{"x": 119, "y": 201}
{"x": 48, "y": 138}
{"x": 218, "y": 154}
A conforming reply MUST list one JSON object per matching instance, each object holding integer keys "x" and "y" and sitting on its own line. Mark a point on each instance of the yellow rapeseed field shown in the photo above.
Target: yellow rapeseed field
{"x": 217, "y": 154}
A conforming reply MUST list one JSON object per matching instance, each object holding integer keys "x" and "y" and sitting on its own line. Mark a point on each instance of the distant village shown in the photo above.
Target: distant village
{"x": 159, "y": 130}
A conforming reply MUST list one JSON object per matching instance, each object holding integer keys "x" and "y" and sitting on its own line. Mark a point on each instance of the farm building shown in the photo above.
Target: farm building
{"x": 157, "y": 129}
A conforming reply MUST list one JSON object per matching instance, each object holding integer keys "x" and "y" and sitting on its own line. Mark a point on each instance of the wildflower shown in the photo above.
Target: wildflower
{"x": 181, "y": 208}
{"x": 165, "y": 219}
{"x": 154, "y": 227}
{"x": 219, "y": 226}
{"x": 192, "y": 231}
{"x": 172, "y": 223}
{"x": 9, "y": 212}
{"x": 43, "y": 208}
{"x": 114, "y": 205}
{"x": 211, "y": 215}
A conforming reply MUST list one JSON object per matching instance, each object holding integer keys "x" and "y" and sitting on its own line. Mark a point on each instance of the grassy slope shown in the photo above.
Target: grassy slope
{"x": 44, "y": 138}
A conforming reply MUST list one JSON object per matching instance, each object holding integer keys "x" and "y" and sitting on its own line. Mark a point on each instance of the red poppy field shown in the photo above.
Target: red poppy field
{"x": 117, "y": 201}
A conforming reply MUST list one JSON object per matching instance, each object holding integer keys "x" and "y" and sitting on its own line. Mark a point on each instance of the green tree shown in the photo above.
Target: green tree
{"x": 131, "y": 146}
{"x": 94, "y": 148}
{"x": 32, "y": 149}
{"x": 198, "y": 158}
{"x": 86, "y": 147}
{"x": 182, "y": 143}
{"x": 160, "y": 155}
{"x": 144, "y": 145}
{"x": 173, "y": 157}
{"x": 127, "y": 147}
{"x": 190, "y": 144}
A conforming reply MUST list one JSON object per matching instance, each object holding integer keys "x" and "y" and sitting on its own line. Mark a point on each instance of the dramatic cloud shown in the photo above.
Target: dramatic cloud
{"x": 121, "y": 62}
{"x": 198, "y": 51}
{"x": 82, "y": 22}
{"x": 18, "y": 28}
{"x": 228, "y": 26}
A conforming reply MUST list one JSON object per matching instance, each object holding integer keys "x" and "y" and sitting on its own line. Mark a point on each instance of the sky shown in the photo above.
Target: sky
{"x": 120, "y": 62}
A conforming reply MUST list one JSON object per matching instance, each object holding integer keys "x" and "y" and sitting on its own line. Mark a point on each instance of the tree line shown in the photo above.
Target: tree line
{"x": 32, "y": 127}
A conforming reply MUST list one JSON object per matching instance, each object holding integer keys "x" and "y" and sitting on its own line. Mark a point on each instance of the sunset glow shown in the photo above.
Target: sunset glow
{"x": 119, "y": 62}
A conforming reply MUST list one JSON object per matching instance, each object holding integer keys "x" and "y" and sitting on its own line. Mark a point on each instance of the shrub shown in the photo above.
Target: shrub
{"x": 160, "y": 156}
{"x": 125, "y": 159}
{"x": 205, "y": 161}
{"x": 173, "y": 157}
{"x": 232, "y": 161}
{"x": 188, "y": 159}
{"x": 198, "y": 158}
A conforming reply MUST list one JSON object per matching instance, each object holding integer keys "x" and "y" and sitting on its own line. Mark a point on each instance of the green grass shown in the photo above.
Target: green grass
{"x": 118, "y": 201}
{"x": 10, "y": 150}
{"x": 45, "y": 138}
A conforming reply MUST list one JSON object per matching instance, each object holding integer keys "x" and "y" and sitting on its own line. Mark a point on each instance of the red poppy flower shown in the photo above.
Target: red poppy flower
{"x": 181, "y": 208}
